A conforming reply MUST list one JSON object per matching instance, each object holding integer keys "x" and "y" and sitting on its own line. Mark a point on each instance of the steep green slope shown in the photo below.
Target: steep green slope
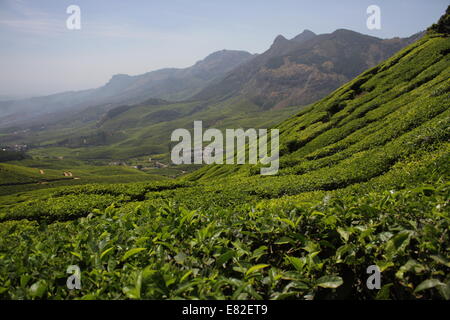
{"x": 364, "y": 181}
{"x": 363, "y": 128}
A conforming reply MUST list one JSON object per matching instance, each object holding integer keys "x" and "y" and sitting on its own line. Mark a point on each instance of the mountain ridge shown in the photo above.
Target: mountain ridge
{"x": 279, "y": 77}
{"x": 272, "y": 83}
{"x": 121, "y": 88}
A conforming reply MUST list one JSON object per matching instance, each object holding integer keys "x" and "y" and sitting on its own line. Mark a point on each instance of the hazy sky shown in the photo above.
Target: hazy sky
{"x": 39, "y": 55}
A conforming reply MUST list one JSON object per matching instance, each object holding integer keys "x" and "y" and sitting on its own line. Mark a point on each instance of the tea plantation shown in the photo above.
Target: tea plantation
{"x": 363, "y": 181}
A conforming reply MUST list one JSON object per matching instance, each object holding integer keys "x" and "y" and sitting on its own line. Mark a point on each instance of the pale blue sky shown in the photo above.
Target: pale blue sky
{"x": 38, "y": 55}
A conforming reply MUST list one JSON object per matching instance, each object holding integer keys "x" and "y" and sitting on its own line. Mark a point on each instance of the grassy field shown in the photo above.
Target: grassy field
{"x": 363, "y": 181}
{"x": 30, "y": 174}
{"x": 142, "y": 130}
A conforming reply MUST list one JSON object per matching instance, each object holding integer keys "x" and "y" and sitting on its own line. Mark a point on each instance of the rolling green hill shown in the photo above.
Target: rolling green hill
{"x": 13, "y": 174}
{"x": 398, "y": 106}
{"x": 145, "y": 129}
{"x": 30, "y": 174}
{"x": 170, "y": 83}
{"x": 364, "y": 180}
{"x": 236, "y": 89}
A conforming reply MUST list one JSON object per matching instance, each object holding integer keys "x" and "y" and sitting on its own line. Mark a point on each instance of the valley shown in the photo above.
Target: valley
{"x": 130, "y": 116}
{"x": 363, "y": 181}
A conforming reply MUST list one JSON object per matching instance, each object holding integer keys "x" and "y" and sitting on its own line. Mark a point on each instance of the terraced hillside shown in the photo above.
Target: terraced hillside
{"x": 363, "y": 181}
{"x": 143, "y": 130}
{"x": 26, "y": 175}
{"x": 130, "y": 116}
{"x": 383, "y": 115}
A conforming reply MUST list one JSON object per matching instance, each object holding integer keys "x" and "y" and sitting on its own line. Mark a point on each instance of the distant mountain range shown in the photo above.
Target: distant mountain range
{"x": 304, "y": 69}
{"x": 134, "y": 115}
{"x": 171, "y": 84}
{"x": 291, "y": 72}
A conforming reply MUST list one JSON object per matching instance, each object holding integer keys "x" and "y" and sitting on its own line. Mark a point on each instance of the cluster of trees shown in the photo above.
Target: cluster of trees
{"x": 10, "y": 155}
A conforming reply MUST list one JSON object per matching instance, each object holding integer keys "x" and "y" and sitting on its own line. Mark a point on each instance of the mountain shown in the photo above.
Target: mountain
{"x": 363, "y": 181}
{"x": 227, "y": 88}
{"x": 255, "y": 93}
{"x": 304, "y": 69}
{"x": 395, "y": 113}
{"x": 291, "y": 72}
{"x": 172, "y": 84}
